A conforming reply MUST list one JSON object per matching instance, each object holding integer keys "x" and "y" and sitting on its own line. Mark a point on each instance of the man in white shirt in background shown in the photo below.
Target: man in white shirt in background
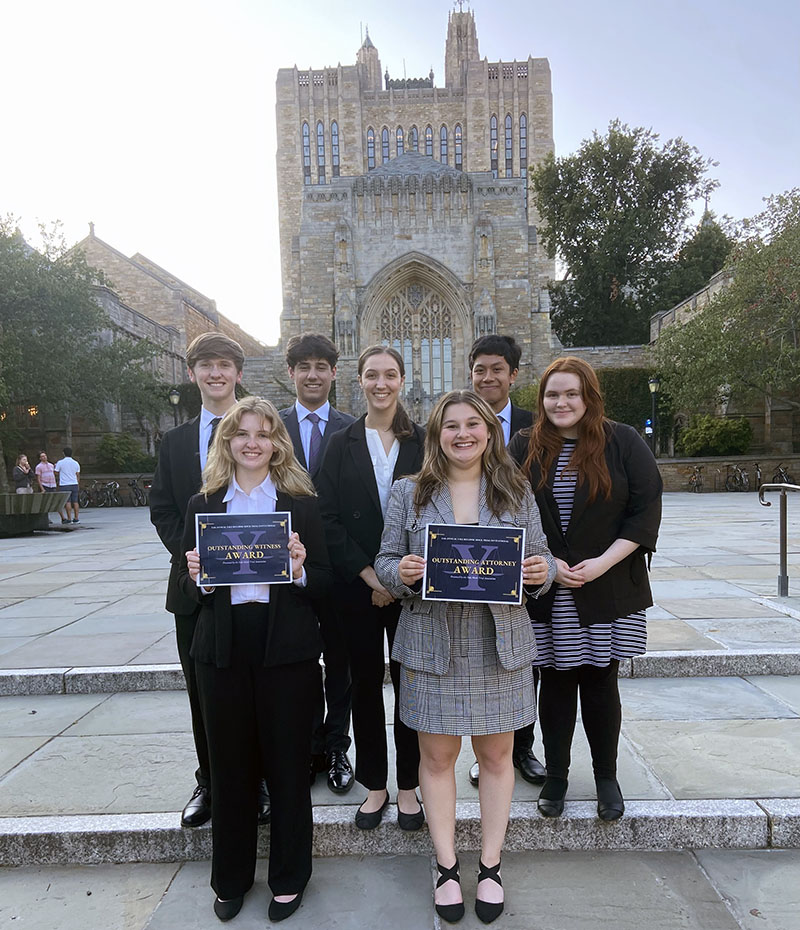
{"x": 69, "y": 476}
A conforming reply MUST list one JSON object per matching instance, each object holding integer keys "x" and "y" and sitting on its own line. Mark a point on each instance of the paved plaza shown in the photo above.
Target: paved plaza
{"x": 96, "y": 755}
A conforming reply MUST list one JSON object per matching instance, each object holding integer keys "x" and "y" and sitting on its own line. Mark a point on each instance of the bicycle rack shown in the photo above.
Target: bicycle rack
{"x": 783, "y": 576}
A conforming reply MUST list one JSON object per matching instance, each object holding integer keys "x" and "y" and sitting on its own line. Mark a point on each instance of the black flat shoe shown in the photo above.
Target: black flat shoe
{"x": 280, "y": 910}
{"x": 530, "y": 768}
{"x": 610, "y": 803}
{"x": 551, "y": 798}
{"x": 340, "y": 772}
{"x": 488, "y": 911}
{"x": 369, "y": 821}
{"x": 198, "y": 808}
{"x": 411, "y": 821}
{"x": 452, "y": 913}
{"x": 227, "y": 910}
{"x": 264, "y": 804}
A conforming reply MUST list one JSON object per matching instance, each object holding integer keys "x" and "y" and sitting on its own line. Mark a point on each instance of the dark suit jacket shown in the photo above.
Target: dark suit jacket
{"x": 336, "y": 421}
{"x": 177, "y": 478}
{"x": 633, "y": 512}
{"x": 293, "y": 633}
{"x": 351, "y": 508}
{"x": 520, "y": 419}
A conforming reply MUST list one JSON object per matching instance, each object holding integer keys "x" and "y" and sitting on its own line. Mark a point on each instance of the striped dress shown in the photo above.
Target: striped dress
{"x": 564, "y": 643}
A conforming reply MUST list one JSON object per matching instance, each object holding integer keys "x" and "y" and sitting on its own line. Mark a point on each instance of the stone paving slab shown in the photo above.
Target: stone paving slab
{"x": 756, "y": 633}
{"x": 73, "y": 649}
{"x": 785, "y": 688}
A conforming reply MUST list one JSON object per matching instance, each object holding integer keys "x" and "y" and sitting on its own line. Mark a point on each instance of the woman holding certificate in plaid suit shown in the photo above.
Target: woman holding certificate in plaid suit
{"x": 466, "y": 666}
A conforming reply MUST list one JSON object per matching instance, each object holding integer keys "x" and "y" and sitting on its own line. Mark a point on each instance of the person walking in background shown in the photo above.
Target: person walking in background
{"x": 360, "y": 465}
{"x": 311, "y": 421}
{"x": 69, "y": 477}
{"x": 215, "y": 365}
{"x": 599, "y": 494}
{"x": 494, "y": 364}
{"x": 466, "y": 667}
{"x": 22, "y": 475}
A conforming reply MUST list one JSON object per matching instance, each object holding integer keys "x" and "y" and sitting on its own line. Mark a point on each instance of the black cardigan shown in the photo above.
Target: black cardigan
{"x": 632, "y": 512}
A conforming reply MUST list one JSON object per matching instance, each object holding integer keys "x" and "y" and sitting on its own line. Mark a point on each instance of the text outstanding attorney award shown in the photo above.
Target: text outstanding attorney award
{"x": 244, "y": 548}
{"x": 473, "y": 563}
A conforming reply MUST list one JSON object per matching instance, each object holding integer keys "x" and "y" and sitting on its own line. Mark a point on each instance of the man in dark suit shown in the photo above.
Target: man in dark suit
{"x": 311, "y": 421}
{"x": 215, "y": 365}
{"x": 494, "y": 364}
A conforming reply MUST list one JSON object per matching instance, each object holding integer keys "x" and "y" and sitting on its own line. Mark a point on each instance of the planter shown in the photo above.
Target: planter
{"x": 24, "y": 513}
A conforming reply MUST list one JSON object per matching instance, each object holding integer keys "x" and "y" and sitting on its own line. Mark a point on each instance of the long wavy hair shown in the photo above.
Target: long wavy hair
{"x": 286, "y": 472}
{"x": 402, "y": 427}
{"x": 545, "y": 442}
{"x": 505, "y": 483}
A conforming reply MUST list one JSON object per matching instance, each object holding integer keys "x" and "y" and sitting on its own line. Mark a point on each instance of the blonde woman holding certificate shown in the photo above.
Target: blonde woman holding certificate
{"x": 466, "y": 667}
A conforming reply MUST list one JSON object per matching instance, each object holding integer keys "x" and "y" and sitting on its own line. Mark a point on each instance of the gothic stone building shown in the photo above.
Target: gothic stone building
{"x": 405, "y": 215}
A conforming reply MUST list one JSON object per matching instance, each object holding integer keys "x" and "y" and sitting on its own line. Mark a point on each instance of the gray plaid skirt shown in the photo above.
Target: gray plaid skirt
{"x": 477, "y": 696}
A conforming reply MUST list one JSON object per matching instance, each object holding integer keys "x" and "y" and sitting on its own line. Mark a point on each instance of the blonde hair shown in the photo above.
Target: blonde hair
{"x": 505, "y": 483}
{"x": 286, "y": 472}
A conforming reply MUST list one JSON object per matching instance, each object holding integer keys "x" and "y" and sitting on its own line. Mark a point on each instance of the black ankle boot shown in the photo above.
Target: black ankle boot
{"x": 551, "y": 797}
{"x": 610, "y": 803}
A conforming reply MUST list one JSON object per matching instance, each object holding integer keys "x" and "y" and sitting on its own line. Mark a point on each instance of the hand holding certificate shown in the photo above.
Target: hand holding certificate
{"x": 246, "y": 548}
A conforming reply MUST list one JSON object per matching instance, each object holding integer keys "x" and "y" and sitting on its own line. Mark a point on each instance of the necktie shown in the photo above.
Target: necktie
{"x": 214, "y": 424}
{"x": 316, "y": 440}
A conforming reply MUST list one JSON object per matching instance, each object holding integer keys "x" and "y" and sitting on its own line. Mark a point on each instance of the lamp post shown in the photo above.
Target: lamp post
{"x": 654, "y": 384}
{"x": 175, "y": 399}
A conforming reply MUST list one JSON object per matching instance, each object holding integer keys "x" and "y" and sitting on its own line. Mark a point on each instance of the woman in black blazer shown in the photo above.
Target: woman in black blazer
{"x": 599, "y": 495}
{"x": 256, "y": 651}
{"x": 360, "y": 464}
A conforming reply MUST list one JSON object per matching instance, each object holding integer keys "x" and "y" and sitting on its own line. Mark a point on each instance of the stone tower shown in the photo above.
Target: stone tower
{"x": 461, "y": 47}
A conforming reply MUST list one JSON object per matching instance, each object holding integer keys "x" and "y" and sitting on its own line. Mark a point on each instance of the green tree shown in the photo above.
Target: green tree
{"x": 746, "y": 341}
{"x": 616, "y": 214}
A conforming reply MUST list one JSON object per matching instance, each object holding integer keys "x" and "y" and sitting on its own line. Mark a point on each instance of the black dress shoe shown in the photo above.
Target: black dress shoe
{"x": 452, "y": 913}
{"x": 264, "y": 803}
{"x": 198, "y": 808}
{"x": 280, "y": 910}
{"x": 340, "y": 772}
{"x": 551, "y": 798}
{"x": 530, "y": 768}
{"x": 319, "y": 763}
{"x": 227, "y": 910}
{"x": 610, "y": 804}
{"x": 411, "y": 821}
{"x": 474, "y": 773}
{"x": 369, "y": 821}
{"x": 488, "y": 911}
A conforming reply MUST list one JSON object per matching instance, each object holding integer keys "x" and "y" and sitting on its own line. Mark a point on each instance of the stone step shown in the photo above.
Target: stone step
{"x": 647, "y": 825}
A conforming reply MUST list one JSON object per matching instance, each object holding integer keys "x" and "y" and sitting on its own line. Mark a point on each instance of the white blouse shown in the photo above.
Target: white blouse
{"x": 382, "y": 464}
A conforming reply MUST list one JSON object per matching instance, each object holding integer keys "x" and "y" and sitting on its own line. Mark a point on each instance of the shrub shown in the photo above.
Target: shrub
{"x": 526, "y": 396}
{"x": 709, "y": 435}
{"x": 120, "y": 452}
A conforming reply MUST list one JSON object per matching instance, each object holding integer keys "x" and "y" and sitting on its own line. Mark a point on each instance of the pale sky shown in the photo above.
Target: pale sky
{"x": 155, "y": 120}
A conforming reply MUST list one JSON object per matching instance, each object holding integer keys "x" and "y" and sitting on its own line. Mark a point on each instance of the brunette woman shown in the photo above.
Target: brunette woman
{"x": 599, "y": 494}
{"x": 466, "y": 667}
{"x": 357, "y": 472}
{"x": 256, "y": 650}
{"x": 23, "y": 475}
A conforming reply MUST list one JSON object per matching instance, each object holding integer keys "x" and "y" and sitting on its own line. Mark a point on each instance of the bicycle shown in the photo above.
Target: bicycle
{"x": 782, "y": 476}
{"x": 92, "y": 496}
{"x": 757, "y": 468}
{"x": 111, "y": 496}
{"x": 137, "y": 495}
{"x": 696, "y": 479}
{"x": 738, "y": 481}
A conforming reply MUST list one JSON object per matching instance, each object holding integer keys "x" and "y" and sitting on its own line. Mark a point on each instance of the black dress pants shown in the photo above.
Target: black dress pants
{"x": 601, "y": 712}
{"x": 364, "y": 627}
{"x": 523, "y": 738}
{"x": 184, "y": 633}
{"x": 331, "y": 729}
{"x": 258, "y": 721}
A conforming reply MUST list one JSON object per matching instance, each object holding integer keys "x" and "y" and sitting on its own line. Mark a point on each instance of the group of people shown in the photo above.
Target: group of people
{"x": 47, "y": 478}
{"x": 361, "y": 493}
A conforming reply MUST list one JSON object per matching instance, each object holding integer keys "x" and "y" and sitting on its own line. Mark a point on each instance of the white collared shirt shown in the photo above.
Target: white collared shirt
{"x": 206, "y": 418}
{"x": 505, "y": 421}
{"x": 382, "y": 464}
{"x": 305, "y": 425}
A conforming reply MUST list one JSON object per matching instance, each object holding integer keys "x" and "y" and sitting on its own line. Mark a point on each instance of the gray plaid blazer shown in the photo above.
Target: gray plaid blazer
{"x": 422, "y": 641}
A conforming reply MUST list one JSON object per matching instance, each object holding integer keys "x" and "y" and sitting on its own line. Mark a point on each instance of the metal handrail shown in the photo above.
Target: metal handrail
{"x": 783, "y": 576}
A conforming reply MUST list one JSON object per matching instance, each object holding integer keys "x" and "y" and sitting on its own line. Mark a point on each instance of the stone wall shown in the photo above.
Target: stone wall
{"x": 675, "y": 472}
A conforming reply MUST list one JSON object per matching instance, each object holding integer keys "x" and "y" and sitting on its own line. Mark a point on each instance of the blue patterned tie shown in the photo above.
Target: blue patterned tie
{"x": 316, "y": 440}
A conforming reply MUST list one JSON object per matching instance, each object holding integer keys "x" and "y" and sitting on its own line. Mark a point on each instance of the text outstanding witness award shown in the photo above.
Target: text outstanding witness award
{"x": 473, "y": 563}
{"x": 244, "y": 548}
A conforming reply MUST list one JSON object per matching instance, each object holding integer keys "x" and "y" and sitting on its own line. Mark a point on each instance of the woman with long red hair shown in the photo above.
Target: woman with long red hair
{"x": 599, "y": 495}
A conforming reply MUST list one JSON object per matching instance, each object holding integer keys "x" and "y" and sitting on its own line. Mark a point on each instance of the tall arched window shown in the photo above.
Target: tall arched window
{"x": 335, "y": 149}
{"x": 443, "y": 145}
{"x": 370, "y": 149}
{"x": 493, "y": 144}
{"x": 320, "y": 153}
{"x": 458, "y": 147}
{"x": 384, "y": 146}
{"x": 428, "y": 140}
{"x": 523, "y": 145}
{"x": 400, "y": 141}
{"x": 414, "y": 139}
{"x": 306, "y": 154}
{"x": 509, "y": 148}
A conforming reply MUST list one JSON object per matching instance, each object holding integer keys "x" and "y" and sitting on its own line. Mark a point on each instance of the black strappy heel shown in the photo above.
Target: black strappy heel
{"x": 452, "y": 913}
{"x": 486, "y": 910}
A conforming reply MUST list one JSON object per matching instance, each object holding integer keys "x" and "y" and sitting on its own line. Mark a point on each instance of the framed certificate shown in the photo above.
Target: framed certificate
{"x": 473, "y": 563}
{"x": 251, "y": 548}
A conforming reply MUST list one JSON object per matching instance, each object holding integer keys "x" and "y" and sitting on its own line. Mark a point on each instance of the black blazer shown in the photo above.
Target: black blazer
{"x": 520, "y": 419}
{"x": 348, "y": 493}
{"x": 633, "y": 512}
{"x": 177, "y": 478}
{"x": 293, "y": 634}
{"x": 336, "y": 421}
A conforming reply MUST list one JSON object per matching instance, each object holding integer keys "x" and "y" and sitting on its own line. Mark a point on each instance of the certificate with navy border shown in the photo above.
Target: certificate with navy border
{"x": 473, "y": 563}
{"x": 243, "y": 548}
